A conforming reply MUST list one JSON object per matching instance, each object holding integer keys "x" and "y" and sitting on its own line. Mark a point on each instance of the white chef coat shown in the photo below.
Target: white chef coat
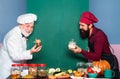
{"x": 13, "y": 51}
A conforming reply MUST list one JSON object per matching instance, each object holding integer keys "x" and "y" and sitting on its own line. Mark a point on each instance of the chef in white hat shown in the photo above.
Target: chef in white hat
{"x": 14, "y": 44}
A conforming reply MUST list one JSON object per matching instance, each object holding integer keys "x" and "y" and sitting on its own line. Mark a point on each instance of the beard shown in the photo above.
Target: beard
{"x": 84, "y": 34}
{"x": 25, "y": 33}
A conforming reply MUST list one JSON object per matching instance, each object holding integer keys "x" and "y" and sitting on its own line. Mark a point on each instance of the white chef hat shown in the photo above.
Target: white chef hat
{"x": 26, "y": 18}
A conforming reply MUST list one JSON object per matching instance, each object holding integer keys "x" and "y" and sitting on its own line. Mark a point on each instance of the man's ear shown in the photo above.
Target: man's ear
{"x": 90, "y": 26}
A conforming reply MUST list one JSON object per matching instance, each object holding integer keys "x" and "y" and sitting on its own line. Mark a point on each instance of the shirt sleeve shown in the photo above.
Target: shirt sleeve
{"x": 99, "y": 40}
{"x": 17, "y": 49}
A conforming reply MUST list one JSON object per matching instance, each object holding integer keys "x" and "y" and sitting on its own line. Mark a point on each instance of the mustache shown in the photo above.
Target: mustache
{"x": 26, "y": 33}
{"x": 81, "y": 30}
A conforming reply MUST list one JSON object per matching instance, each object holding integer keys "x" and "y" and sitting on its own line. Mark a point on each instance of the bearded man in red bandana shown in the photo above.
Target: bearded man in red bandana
{"x": 97, "y": 40}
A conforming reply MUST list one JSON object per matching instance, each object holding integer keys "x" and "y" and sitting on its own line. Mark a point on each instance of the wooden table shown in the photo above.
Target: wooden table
{"x": 72, "y": 77}
{"x": 97, "y": 78}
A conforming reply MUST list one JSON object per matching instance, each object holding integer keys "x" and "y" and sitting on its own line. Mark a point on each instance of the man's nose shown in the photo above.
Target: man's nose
{"x": 80, "y": 27}
{"x": 29, "y": 28}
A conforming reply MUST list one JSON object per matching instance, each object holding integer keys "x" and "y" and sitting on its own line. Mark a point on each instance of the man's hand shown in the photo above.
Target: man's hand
{"x": 35, "y": 49}
{"x": 76, "y": 49}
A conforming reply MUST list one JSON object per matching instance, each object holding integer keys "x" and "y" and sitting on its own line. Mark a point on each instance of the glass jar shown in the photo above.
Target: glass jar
{"x": 24, "y": 70}
{"x": 80, "y": 66}
{"x": 89, "y": 64}
{"x": 33, "y": 69}
{"x": 15, "y": 71}
{"x": 42, "y": 74}
{"x": 72, "y": 44}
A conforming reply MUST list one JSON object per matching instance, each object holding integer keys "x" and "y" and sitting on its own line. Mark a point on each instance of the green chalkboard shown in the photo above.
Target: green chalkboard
{"x": 57, "y": 24}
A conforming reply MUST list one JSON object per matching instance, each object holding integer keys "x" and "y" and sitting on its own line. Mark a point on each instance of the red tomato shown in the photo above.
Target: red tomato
{"x": 89, "y": 70}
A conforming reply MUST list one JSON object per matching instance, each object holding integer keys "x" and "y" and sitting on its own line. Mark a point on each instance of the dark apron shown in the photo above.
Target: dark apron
{"x": 112, "y": 59}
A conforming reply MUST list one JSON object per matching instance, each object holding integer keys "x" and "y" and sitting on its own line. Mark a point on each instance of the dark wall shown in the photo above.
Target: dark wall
{"x": 58, "y": 23}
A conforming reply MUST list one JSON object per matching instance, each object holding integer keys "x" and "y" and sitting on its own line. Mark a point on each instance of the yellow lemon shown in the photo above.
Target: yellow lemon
{"x": 69, "y": 71}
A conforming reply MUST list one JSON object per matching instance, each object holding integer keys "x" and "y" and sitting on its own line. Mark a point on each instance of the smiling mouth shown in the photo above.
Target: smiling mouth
{"x": 82, "y": 31}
